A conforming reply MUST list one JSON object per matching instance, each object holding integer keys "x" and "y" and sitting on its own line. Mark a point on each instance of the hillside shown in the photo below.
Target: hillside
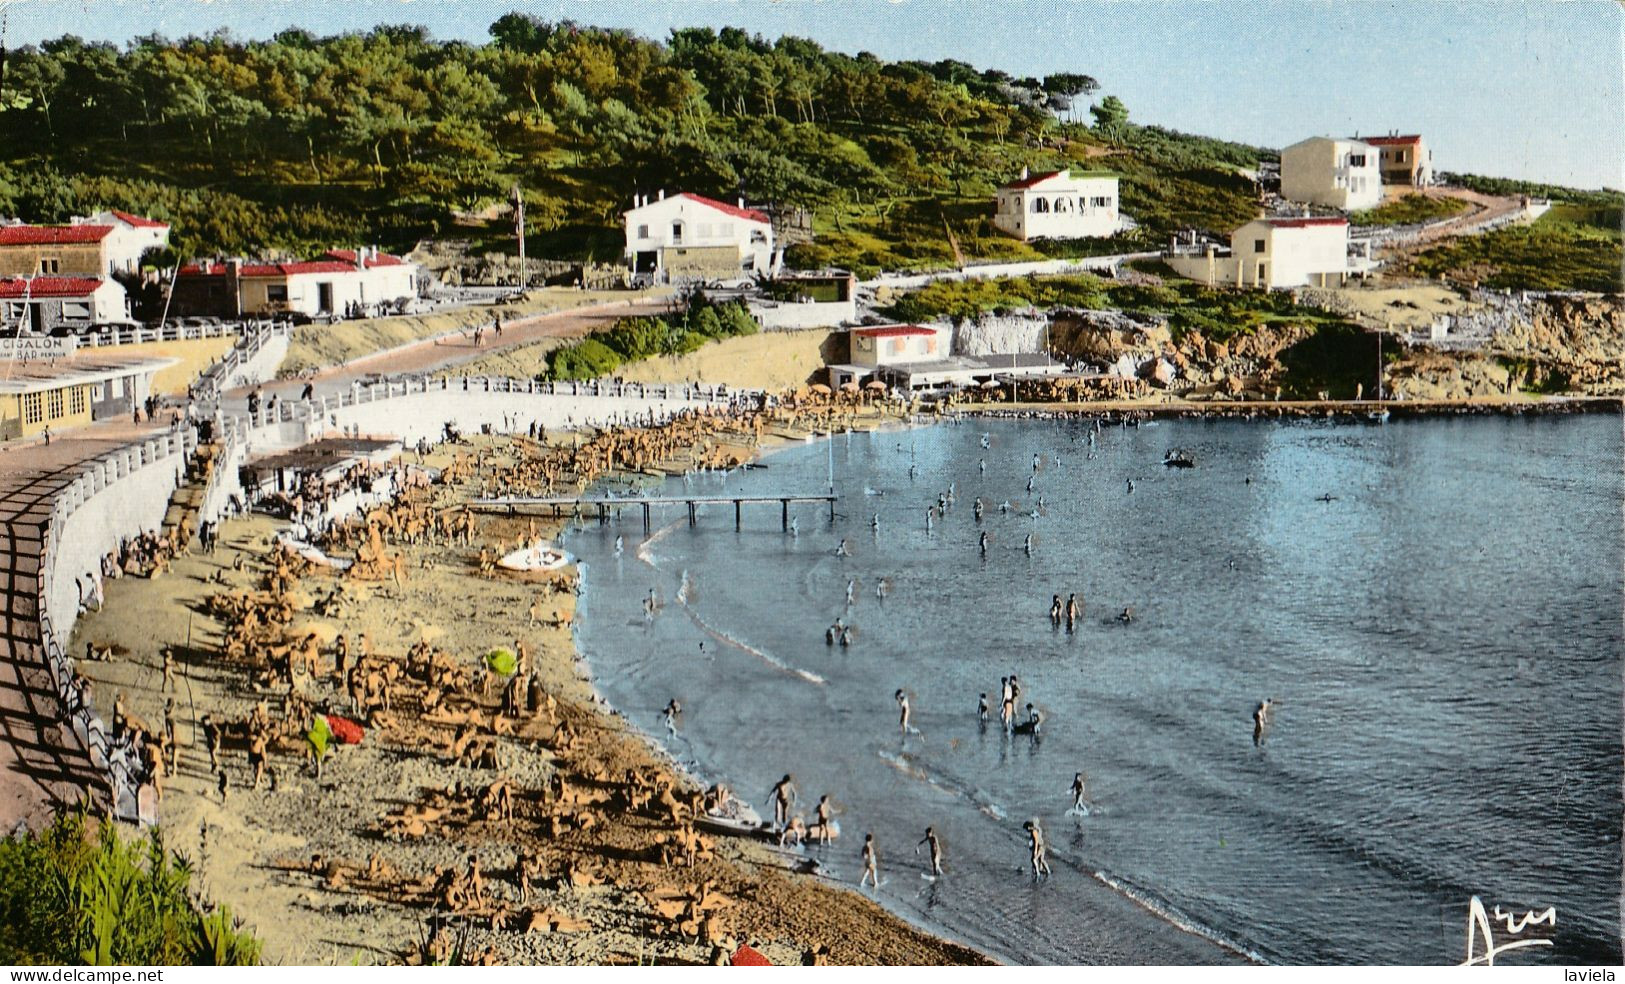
{"x": 301, "y": 142}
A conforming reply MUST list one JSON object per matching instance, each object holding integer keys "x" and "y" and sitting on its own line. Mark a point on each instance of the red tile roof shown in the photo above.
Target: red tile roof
{"x": 734, "y": 210}
{"x": 49, "y": 286}
{"x": 140, "y": 222}
{"x": 275, "y": 269}
{"x": 1391, "y": 141}
{"x": 348, "y": 256}
{"x": 1304, "y": 222}
{"x": 893, "y": 331}
{"x": 1028, "y": 182}
{"x": 32, "y": 235}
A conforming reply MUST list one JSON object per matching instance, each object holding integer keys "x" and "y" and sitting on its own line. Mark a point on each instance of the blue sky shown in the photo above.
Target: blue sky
{"x": 1529, "y": 90}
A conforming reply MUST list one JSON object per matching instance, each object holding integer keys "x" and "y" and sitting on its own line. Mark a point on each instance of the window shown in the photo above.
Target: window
{"x": 50, "y": 264}
{"x": 1040, "y": 205}
{"x": 76, "y": 310}
{"x": 931, "y": 345}
{"x": 897, "y": 346}
{"x": 53, "y": 404}
{"x": 1101, "y": 201}
{"x": 676, "y": 232}
{"x": 15, "y": 310}
{"x": 276, "y": 293}
{"x": 76, "y": 400}
{"x": 1063, "y": 204}
{"x": 1258, "y": 245}
{"x": 1356, "y": 160}
{"x": 1263, "y": 271}
{"x": 33, "y": 411}
{"x": 643, "y": 232}
{"x": 1400, "y": 156}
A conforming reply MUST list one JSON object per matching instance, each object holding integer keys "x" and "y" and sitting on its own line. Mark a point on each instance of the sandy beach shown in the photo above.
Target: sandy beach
{"x": 371, "y": 861}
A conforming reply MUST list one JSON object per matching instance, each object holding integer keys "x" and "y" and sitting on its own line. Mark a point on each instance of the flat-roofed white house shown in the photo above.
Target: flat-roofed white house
{"x": 131, "y": 237}
{"x": 1405, "y": 159}
{"x": 1332, "y": 172}
{"x": 1058, "y": 205}
{"x": 688, "y": 236}
{"x": 1277, "y": 253}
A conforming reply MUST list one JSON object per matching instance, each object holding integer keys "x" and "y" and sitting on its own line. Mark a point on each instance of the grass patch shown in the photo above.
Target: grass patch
{"x": 634, "y": 339}
{"x": 1410, "y": 210}
{"x": 1555, "y": 253}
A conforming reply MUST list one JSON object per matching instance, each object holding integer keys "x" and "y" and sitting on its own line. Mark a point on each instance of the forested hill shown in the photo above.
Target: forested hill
{"x": 303, "y": 142}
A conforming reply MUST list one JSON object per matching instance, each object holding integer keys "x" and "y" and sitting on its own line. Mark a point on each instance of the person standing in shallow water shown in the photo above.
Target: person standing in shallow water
{"x": 783, "y": 797}
{"x": 903, "y": 711}
{"x": 871, "y": 864}
{"x": 1038, "y": 851}
{"x": 935, "y": 850}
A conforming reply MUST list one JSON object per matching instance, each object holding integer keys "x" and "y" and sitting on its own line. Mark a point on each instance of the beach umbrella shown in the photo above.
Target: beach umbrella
{"x": 849, "y": 387}
{"x": 876, "y": 385}
{"x": 992, "y": 384}
{"x": 821, "y": 389}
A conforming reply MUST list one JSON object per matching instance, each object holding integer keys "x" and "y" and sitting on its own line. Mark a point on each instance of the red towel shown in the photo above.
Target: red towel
{"x": 747, "y": 956}
{"x": 345, "y": 730}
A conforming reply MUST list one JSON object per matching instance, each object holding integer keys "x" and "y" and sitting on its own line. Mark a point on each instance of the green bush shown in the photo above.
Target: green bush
{"x": 78, "y": 893}
{"x": 1409, "y": 210}
{"x": 586, "y": 359}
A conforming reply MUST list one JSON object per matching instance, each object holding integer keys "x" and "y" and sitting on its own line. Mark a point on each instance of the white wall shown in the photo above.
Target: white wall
{"x": 1318, "y": 171}
{"x": 814, "y": 314}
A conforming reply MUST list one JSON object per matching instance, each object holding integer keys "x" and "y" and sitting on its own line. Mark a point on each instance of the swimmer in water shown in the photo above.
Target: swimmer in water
{"x": 871, "y": 871}
{"x": 1028, "y": 544}
{"x": 619, "y": 544}
{"x": 670, "y": 714}
{"x": 977, "y": 509}
{"x": 1077, "y": 793}
{"x": 1131, "y": 485}
{"x": 930, "y": 513}
{"x": 1029, "y": 485}
{"x": 985, "y": 443}
{"x": 935, "y": 851}
{"x": 981, "y": 709}
{"x": 851, "y": 590}
{"x": 982, "y": 542}
{"x": 981, "y": 466}
{"x": 1074, "y": 611}
{"x": 844, "y": 550}
{"x": 1055, "y": 610}
{"x": 1127, "y": 615}
{"x": 1035, "y": 462}
{"x": 795, "y": 527}
{"x": 846, "y": 637}
{"x": 783, "y": 797}
{"x": 824, "y": 812}
{"x": 874, "y": 524}
{"x": 1261, "y": 719}
{"x": 1007, "y": 705}
{"x": 903, "y": 711}
{"x": 1004, "y": 506}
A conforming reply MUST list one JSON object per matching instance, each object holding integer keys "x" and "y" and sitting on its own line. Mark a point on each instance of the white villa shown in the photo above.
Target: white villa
{"x": 1277, "y": 253}
{"x": 1058, "y": 206}
{"x": 691, "y": 236}
{"x": 1341, "y": 174}
{"x": 131, "y": 237}
{"x": 343, "y": 282}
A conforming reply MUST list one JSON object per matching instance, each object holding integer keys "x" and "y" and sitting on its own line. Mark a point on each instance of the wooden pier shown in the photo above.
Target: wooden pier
{"x": 603, "y": 505}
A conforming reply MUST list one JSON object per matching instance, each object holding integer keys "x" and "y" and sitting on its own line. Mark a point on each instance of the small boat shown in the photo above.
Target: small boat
{"x": 735, "y": 818}
{"x": 539, "y": 556}
{"x": 1175, "y": 458}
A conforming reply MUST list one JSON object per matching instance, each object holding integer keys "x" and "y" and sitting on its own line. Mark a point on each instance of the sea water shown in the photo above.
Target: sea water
{"x": 1433, "y": 605}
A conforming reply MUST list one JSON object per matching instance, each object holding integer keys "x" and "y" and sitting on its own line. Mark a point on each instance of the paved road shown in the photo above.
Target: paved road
{"x": 42, "y": 764}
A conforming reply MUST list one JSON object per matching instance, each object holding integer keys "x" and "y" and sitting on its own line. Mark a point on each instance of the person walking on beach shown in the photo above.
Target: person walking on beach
{"x": 935, "y": 849}
{"x": 783, "y": 797}
{"x": 902, "y": 711}
{"x": 871, "y": 865}
{"x": 1035, "y": 843}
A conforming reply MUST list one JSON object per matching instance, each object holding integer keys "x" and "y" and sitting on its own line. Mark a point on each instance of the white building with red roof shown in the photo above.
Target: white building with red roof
{"x": 41, "y": 304}
{"x": 1276, "y": 253}
{"x": 101, "y": 245}
{"x": 1405, "y": 159}
{"x": 1058, "y": 205}
{"x": 340, "y": 283}
{"x": 691, "y": 237}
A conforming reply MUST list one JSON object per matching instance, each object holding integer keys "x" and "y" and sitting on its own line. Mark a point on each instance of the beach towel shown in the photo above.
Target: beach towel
{"x": 748, "y": 956}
